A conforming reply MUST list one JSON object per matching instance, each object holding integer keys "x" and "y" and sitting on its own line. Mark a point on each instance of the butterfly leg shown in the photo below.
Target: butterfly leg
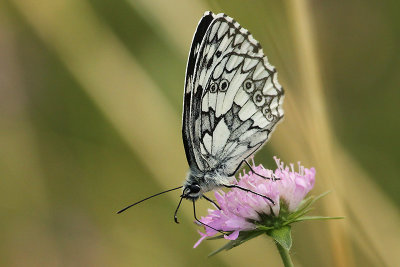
{"x": 195, "y": 217}
{"x": 176, "y": 211}
{"x": 249, "y": 191}
{"x": 212, "y": 201}
{"x": 262, "y": 176}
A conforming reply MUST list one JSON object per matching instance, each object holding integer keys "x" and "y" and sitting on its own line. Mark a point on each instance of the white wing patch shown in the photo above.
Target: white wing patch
{"x": 207, "y": 141}
{"x": 234, "y": 86}
{"x": 268, "y": 87}
{"x": 249, "y": 63}
{"x": 225, "y": 42}
{"x": 211, "y": 51}
{"x": 219, "y": 69}
{"x": 238, "y": 39}
{"x": 247, "y": 111}
{"x": 220, "y": 104}
{"x": 259, "y": 72}
{"x": 214, "y": 30}
{"x": 220, "y": 136}
{"x": 233, "y": 62}
{"x": 212, "y": 100}
{"x": 259, "y": 120}
{"x": 222, "y": 29}
{"x": 241, "y": 98}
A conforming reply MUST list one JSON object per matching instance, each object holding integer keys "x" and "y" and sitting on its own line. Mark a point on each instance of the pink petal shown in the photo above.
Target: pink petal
{"x": 203, "y": 236}
{"x": 199, "y": 241}
{"x": 232, "y": 236}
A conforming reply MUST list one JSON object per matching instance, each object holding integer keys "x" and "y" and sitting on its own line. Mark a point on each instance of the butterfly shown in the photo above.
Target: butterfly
{"x": 232, "y": 103}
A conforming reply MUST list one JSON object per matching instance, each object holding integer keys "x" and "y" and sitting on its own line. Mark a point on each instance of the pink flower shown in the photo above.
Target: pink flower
{"x": 244, "y": 211}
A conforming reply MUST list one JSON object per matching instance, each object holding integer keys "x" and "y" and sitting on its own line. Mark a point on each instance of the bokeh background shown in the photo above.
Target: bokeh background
{"x": 90, "y": 110}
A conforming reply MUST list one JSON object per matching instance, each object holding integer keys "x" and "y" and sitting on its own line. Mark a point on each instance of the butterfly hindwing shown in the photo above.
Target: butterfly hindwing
{"x": 235, "y": 98}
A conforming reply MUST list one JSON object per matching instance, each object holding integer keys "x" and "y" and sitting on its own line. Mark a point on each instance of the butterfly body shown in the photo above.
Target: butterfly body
{"x": 232, "y": 103}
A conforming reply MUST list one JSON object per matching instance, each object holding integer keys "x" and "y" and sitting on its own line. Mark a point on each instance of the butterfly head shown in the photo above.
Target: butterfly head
{"x": 191, "y": 191}
{"x": 199, "y": 183}
{"x": 194, "y": 186}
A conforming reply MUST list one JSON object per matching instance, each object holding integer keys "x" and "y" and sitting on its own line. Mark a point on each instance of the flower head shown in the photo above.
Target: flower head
{"x": 245, "y": 211}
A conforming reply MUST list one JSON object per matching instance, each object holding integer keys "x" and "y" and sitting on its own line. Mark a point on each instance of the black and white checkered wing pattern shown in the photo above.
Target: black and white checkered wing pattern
{"x": 235, "y": 98}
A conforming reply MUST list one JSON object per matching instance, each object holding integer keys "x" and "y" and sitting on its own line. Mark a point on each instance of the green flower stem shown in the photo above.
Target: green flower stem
{"x": 287, "y": 261}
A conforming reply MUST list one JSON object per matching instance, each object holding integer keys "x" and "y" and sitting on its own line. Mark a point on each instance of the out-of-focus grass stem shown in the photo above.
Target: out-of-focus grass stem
{"x": 319, "y": 132}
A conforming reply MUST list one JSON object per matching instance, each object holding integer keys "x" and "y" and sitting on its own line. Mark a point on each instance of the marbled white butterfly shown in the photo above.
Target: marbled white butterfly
{"x": 232, "y": 103}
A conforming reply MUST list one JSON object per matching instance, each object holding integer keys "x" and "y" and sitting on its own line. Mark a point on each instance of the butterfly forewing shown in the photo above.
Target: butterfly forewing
{"x": 232, "y": 97}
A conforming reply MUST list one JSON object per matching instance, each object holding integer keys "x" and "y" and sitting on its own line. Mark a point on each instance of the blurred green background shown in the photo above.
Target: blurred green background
{"x": 90, "y": 107}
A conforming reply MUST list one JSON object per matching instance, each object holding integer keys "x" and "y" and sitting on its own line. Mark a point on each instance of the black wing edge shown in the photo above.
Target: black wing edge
{"x": 201, "y": 30}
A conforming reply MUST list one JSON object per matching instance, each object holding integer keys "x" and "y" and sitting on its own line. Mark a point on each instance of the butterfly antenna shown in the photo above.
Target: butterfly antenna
{"x": 176, "y": 211}
{"x": 124, "y": 209}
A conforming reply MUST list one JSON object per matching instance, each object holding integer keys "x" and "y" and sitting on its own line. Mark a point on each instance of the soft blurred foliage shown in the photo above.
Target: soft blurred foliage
{"x": 90, "y": 104}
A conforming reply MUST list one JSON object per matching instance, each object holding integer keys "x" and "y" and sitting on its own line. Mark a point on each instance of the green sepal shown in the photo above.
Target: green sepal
{"x": 309, "y": 218}
{"x": 243, "y": 237}
{"x": 264, "y": 228}
{"x": 282, "y": 235}
{"x": 304, "y": 207}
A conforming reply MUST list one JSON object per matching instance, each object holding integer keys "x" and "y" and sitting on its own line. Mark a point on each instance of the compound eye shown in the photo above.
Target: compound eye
{"x": 194, "y": 188}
